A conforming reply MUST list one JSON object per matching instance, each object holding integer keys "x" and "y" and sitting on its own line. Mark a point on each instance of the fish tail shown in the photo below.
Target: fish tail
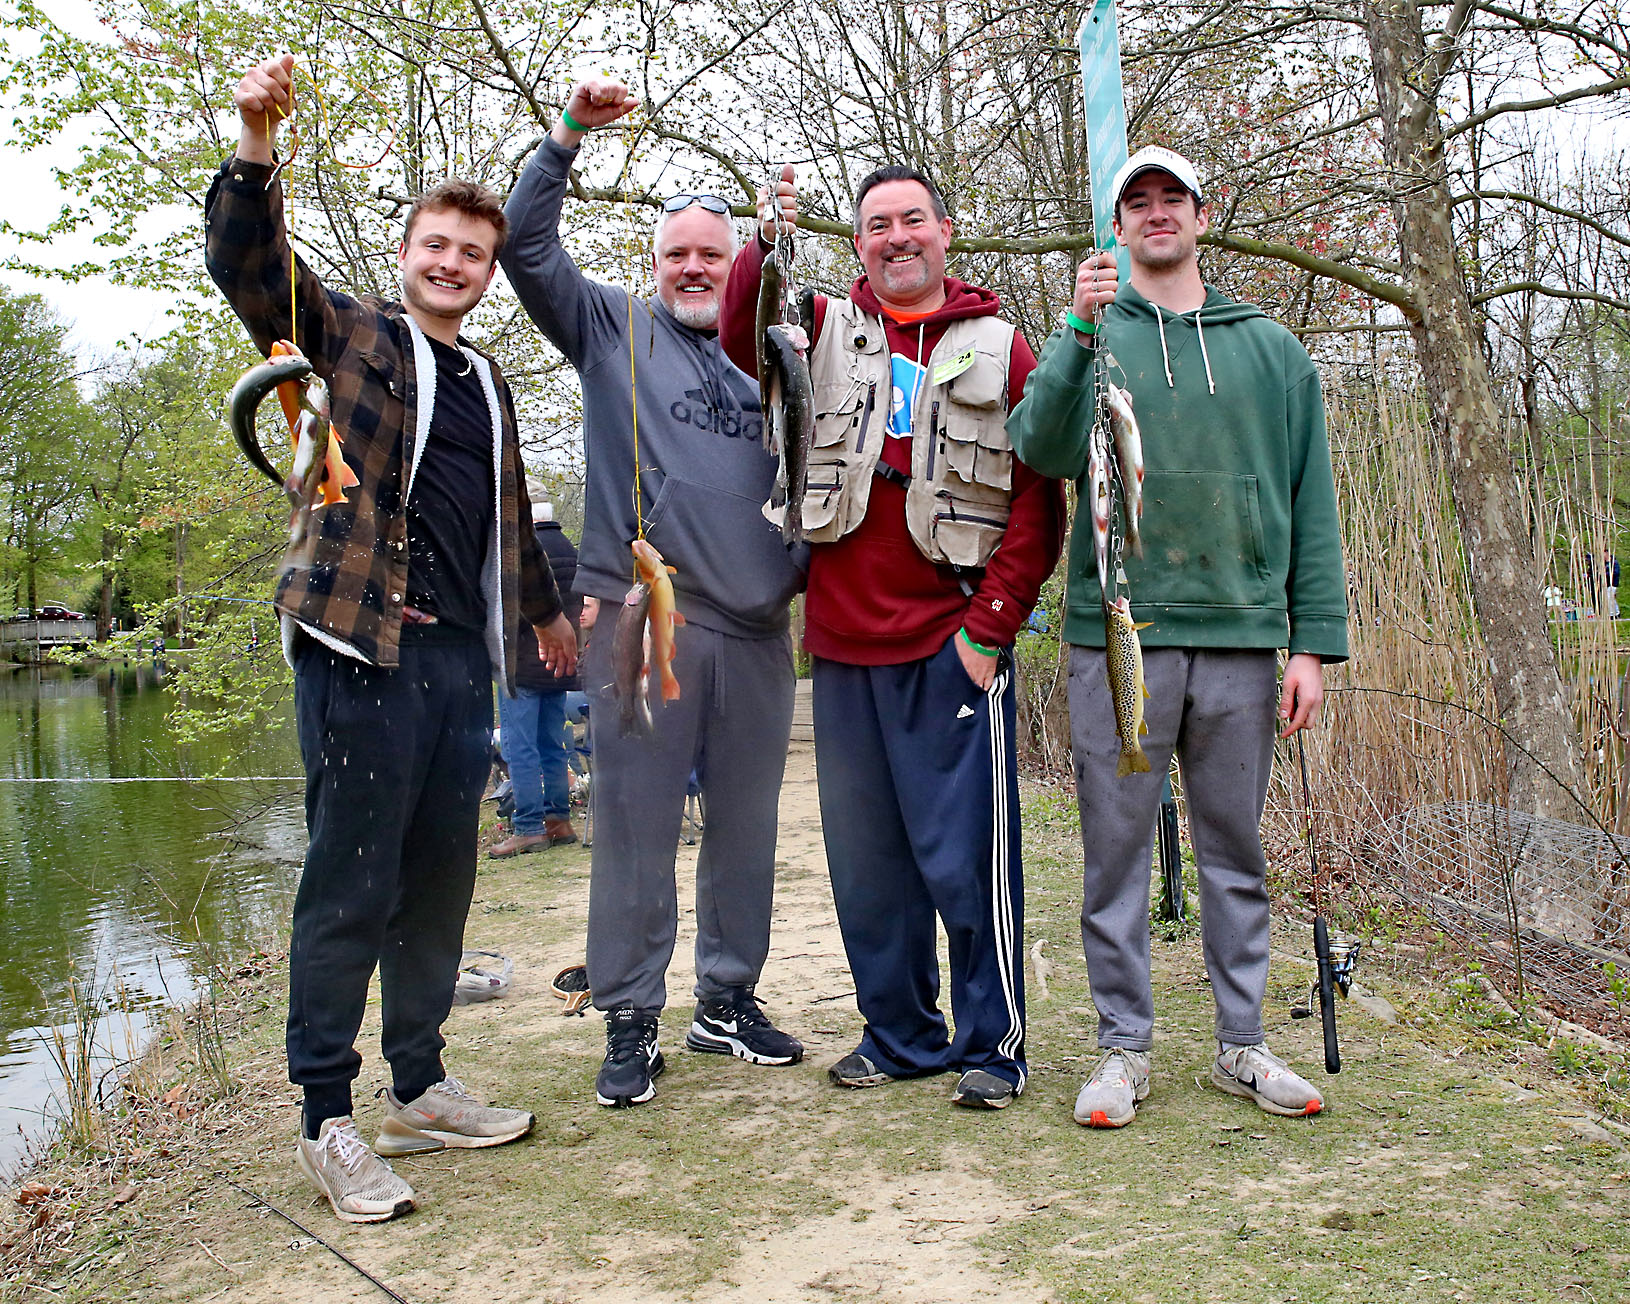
{"x": 1132, "y": 762}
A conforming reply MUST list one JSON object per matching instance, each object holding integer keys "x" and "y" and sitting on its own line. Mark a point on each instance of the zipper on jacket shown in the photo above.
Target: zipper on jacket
{"x": 866, "y": 416}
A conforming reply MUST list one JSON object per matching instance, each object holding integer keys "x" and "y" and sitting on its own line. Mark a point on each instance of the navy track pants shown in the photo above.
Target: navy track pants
{"x": 920, "y": 808}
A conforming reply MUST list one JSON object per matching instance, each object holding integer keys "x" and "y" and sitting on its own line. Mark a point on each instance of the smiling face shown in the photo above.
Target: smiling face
{"x": 693, "y": 253}
{"x": 1159, "y": 221}
{"x": 446, "y": 262}
{"x": 902, "y": 245}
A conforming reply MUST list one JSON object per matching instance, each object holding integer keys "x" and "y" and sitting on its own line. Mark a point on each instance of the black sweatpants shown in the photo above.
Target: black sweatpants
{"x": 395, "y": 762}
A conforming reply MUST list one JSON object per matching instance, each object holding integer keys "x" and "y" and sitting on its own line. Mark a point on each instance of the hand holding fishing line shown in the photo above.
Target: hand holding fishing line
{"x": 1097, "y": 281}
{"x": 264, "y": 97}
{"x": 781, "y": 219}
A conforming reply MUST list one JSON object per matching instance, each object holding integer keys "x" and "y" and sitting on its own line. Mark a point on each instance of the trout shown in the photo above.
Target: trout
{"x": 1129, "y": 456}
{"x": 628, "y": 663}
{"x": 790, "y": 420}
{"x": 254, "y": 385}
{"x": 1098, "y": 488}
{"x": 662, "y": 617}
{"x": 320, "y": 475}
{"x": 1126, "y": 685}
{"x": 771, "y": 287}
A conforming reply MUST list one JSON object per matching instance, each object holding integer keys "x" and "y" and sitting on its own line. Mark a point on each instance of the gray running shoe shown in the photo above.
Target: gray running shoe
{"x": 1109, "y": 1098}
{"x": 855, "y": 1070}
{"x": 358, "y": 1183}
{"x": 446, "y": 1116}
{"x": 1258, "y": 1074}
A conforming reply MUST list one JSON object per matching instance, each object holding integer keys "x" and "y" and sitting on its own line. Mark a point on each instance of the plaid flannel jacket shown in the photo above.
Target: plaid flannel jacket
{"x": 353, "y": 590}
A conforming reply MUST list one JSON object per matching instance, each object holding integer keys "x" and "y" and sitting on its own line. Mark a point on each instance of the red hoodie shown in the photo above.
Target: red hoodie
{"x": 874, "y": 599}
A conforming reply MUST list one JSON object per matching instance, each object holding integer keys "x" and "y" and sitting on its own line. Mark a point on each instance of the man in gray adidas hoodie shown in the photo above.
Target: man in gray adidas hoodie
{"x": 678, "y": 427}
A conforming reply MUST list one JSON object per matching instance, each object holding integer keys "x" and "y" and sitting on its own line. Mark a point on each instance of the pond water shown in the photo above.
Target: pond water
{"x": 128, "y": 865}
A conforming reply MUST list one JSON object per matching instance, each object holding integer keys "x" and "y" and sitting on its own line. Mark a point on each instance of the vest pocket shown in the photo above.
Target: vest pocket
{"x": 966, "y": 530}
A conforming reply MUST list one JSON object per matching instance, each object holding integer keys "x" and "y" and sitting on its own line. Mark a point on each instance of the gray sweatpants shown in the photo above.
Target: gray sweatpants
{"x": 730, "y": 722}
{"x": 1217, "y": 709}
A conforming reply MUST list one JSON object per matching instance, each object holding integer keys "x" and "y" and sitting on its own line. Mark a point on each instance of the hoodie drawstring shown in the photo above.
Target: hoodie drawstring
{"x": 1205, "y": 357}
{"x": 1165, "y": 357}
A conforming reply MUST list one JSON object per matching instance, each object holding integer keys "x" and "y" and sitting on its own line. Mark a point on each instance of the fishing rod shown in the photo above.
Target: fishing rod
{"x": 1336, "y": 960}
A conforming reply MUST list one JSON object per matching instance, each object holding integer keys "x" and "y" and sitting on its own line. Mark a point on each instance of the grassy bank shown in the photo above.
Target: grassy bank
{"x": 1457, "y": 1158}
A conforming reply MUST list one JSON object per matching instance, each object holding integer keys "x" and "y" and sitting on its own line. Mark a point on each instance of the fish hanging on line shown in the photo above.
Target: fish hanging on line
{"x": 644, "y": 638}
{"x": 786, "y": 393}
{"x": 1124, "y": 656}
{"x": 319, "y": 475}
{"x": 1123, "y": 426}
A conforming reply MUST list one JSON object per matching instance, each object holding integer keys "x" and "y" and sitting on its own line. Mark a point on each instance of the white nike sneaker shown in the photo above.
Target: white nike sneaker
{"x": 1258, "y": 1074}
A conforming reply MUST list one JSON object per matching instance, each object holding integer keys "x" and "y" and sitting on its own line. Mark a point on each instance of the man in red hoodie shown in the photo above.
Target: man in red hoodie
{"x": 930, "y": 542}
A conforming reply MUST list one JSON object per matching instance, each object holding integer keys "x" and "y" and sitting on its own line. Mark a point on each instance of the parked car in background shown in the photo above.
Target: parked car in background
{"x": 56, "y": 611}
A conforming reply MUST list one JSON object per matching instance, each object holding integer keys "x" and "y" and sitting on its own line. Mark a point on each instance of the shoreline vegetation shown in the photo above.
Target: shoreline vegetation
{"x": 1463, "y": 1153}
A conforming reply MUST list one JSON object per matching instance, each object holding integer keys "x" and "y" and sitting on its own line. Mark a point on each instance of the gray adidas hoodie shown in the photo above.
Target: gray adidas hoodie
{"x": 704, "y": 472}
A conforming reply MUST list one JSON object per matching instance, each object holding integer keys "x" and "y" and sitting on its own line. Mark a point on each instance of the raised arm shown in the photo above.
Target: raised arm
{"x": 246, "y": 246}
{"x": 1050, "y": 426}
{"x": 574, "y": 313}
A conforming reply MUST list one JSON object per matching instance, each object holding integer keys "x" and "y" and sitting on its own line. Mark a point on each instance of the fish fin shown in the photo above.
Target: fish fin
{"x": 672, "y": 570}
{"x": 1144, "y": 689}
{"x": 670, "y": 688}
{"x": 1143, "y": 725}
{"x": 679, "y": 618}
{"x": 1143, "y": 624}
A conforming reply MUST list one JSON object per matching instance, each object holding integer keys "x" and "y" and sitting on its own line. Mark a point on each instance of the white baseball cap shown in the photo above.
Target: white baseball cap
{"x": 1148, "y": 158}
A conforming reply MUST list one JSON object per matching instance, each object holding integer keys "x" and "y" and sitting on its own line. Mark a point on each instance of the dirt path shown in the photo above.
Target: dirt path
{"x": 1442, "y": 1169}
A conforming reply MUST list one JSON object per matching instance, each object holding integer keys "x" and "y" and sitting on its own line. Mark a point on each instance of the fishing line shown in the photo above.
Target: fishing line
{"x": 324, "y": 133}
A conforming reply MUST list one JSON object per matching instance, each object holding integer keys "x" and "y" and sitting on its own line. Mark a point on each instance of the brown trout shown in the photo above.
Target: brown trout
{"x": 1126, "y": 685}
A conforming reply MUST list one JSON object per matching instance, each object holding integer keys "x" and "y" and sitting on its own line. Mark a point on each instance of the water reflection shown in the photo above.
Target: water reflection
{"x": 113, "y": 869}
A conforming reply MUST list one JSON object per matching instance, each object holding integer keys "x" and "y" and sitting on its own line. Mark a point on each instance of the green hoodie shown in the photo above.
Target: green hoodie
{"x": 1242, "y": 547}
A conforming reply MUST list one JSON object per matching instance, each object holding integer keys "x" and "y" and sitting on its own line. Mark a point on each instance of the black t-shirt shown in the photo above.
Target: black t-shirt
{"x": 451, "y": 510}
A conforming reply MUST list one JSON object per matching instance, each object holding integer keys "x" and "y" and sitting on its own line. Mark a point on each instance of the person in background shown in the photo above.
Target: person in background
{"x": 532, "y": 723}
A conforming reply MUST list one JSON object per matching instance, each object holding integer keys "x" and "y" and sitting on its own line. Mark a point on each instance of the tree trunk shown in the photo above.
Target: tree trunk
{"x": 1541, "y": 743}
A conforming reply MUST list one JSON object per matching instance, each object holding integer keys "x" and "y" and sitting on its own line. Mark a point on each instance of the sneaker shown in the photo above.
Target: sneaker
{"x": 446, "y": 1116}
{"x": 855, "y": 1070}
{"x": 1258, "y": 1074}
{"x": 1109, "y": 1098}
{"x": 633, "y": 1062}
{"x": 980, "y": 1089}
{"x": 733, "y": 1024}
{"x": 358, "y": 1183}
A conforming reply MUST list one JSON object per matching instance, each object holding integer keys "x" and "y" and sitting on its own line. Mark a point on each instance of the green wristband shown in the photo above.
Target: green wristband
{"x": 979, "y": 648}
{"x": 1085, "y": 327}
{"x": 573, "y": 123}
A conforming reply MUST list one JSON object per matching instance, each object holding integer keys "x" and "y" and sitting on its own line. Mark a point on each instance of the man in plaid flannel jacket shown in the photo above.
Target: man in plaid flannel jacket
{"x": 394, "y": 627}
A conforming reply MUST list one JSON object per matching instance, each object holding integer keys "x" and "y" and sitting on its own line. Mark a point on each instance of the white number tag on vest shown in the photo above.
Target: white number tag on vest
{"x": 951, "y": 368}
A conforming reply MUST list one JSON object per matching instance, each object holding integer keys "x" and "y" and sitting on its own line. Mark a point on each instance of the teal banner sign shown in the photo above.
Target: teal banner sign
{"x": 1100, "y": 44}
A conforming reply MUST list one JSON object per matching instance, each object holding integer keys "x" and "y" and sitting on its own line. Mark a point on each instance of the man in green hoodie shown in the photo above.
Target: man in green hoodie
{"x": 1241, "y": 557}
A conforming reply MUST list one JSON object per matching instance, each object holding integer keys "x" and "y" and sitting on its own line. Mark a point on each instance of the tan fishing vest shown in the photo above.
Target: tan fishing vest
{"x": 958, "y": 496}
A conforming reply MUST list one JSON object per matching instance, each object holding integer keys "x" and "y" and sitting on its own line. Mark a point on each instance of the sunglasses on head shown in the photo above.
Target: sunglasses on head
{"x": 713, "y": 204}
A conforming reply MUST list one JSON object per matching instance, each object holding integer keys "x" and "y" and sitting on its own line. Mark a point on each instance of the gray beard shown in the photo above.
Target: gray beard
{"x": 697, "y": 316}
